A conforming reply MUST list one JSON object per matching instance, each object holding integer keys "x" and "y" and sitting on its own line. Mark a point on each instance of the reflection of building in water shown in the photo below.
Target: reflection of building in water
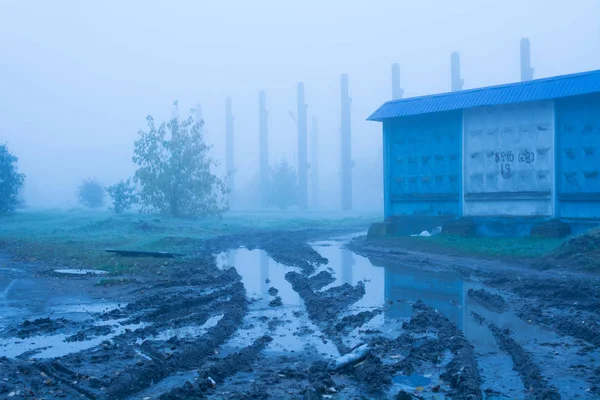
{"x": 347, "y": 261}
{"x": 441, "y": 290}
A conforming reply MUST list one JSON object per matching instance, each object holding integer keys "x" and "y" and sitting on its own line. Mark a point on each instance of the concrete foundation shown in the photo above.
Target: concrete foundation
{"x": 407, "y": 225}
{"x": 460, "y": 227}
{"x": 480, "y": 227}
{"x": 551, "y": 229}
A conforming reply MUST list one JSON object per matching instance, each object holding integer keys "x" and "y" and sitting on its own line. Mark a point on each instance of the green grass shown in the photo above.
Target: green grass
{"x": 79, "y": 238}
{"x": 500, "y": 247}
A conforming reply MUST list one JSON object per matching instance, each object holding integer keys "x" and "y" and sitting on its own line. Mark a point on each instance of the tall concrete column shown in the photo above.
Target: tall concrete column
{"x": 397, "y": 91}
{"x": 263, "y": 132}
{"x": 302, "y": 150}
{"x": 526, "y": 70}
{"x": 229, "y": 162}
{"x": 346, "y": 147}
{"x": 456, "y": 83}
{"x": 314, "y": 162}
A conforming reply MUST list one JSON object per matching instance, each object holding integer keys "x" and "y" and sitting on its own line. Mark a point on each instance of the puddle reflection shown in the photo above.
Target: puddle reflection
{"x": 392, "y": 287}
{"x": 257, "y": 281}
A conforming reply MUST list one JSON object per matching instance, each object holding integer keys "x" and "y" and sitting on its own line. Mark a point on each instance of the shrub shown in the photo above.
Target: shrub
{"x": 90, "y": 193}
{"x": 11, "y": 181}
{"x": 122, "y": 195}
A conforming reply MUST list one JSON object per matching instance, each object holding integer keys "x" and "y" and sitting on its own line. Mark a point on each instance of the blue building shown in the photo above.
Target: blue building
{"x": 504, "y": 158}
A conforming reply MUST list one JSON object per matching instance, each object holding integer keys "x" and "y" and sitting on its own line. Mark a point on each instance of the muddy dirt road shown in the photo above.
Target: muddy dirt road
{"x": 290, "y": 315}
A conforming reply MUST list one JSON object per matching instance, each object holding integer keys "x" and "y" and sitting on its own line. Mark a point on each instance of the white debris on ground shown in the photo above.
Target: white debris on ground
{"x": 434, "y": 232}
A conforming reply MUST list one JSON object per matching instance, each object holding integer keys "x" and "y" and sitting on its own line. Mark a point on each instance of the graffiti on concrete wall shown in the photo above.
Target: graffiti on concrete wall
{"x": 508, "y": 161}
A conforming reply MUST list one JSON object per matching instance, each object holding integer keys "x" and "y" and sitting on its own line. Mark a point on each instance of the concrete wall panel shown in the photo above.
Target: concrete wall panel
{"x": 578, "y": 156}
{"x": 423, "y": 164}
{"x": 509, "y": 160}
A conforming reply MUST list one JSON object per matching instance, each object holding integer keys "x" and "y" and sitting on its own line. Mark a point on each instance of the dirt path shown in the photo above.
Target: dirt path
{"x": 292, "y": 315}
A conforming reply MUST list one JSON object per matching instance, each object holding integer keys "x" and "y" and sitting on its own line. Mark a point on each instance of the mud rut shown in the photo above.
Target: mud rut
{"x": 151, "y": 360}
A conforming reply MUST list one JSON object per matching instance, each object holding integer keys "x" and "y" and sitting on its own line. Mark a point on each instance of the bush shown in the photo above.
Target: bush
{"x": 11, "y": 181}
{"x": 91, "y": 193}
{"x": 122, "y": 195}
{"x": 174, "y": 170}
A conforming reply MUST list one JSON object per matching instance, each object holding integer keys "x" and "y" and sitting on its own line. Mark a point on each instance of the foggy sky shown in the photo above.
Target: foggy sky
{"x": 77, "y": 78}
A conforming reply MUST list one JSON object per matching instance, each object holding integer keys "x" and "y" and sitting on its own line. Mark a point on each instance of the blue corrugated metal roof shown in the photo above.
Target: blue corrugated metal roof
{"x": 535, "y": 90}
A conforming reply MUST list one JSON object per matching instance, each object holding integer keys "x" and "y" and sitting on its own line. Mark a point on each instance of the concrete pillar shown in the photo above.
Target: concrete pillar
{"x": 229, "y": 162}
{"x": 314, "y": 162}
{"x": 397, "y": 91}
{"x": 456, "y": 83}
{"x": 346, "y": 147}
{"x": 526, "y": 70}
{"x": 263, "y": 132}
{"x": 302, "y": 150}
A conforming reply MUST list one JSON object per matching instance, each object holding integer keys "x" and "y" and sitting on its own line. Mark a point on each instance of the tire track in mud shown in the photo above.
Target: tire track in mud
{"x": 182, "y": 355}
{"x": 561, "y": 301}
{"x": 216, "y": 373}
{"x": 462, "y": 372}
{"x": 529, "y": 372}
{"x": 121, "y": 366}
{"x": 324, "y": 307}
{"x": 569, "y": 305}
{"x": 291, "y": 251}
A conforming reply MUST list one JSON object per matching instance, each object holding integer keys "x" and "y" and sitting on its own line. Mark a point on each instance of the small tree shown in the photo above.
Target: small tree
{"x": 283, "y": 185}
{"x": 174, "y": 170}
{"x": 122, "y": 195}
{"x": 91, "y": 193}
{"x": 11, "y": 181}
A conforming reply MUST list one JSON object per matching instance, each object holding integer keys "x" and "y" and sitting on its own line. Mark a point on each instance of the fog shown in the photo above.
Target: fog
{"x": 77, "y": 78}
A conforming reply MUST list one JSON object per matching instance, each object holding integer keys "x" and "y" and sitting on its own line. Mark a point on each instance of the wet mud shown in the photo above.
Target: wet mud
{"x": 492, "y": 302}
{"x": 298, "y": 315}
{"x": 538, "y": 386}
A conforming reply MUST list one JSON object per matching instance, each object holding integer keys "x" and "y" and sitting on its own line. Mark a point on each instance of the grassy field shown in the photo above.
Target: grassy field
{"x": 506, "y": 248}
{"x": 502, "y": 247}
{"x": 78, "y": 238}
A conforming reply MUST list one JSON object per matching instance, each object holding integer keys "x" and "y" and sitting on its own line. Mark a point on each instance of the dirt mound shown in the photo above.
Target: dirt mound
{"x": 324, "y": 307}
{"x": 276, "y": 302}
{"x": 39, "y": 326}
{"x": 491, "y": 301}
{"x": 580, "y": 252}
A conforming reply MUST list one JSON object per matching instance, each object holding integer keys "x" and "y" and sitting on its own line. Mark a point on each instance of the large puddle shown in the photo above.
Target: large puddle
{"x": 288, "y": 324}
{"x": 393, "y": 288}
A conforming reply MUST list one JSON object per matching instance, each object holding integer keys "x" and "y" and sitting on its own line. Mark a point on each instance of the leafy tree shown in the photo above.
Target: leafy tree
{"x": 11, "y": 181}
{"x": 123, "y": 195}
{"x": 91, "y": 193}
{"x": 284, "y": 190}
{"x": 174, "y": 170}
